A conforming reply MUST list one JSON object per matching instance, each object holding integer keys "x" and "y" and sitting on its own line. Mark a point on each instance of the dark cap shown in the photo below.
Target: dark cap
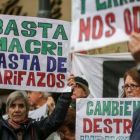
{"x": 83, "y": 83}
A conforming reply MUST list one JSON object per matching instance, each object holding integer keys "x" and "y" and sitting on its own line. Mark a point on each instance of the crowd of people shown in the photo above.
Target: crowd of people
{"x": 20, "y": 103}
{"x": 60, "y": 119}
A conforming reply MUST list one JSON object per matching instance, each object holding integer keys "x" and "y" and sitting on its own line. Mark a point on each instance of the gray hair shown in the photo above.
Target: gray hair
{"x": 16, "y": 95}
{"x": 46, "y": 94}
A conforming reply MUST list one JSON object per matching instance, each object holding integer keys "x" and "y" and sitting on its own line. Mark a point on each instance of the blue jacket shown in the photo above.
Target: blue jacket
{"x": 39, "y": 130}
{"x": 135, "y": 134}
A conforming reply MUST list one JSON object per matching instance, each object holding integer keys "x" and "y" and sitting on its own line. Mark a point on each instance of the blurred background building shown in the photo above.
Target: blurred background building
{"x": 60, "y": 9}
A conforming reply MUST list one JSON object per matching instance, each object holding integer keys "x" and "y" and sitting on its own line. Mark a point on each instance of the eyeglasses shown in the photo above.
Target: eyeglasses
{"x": 132, "y": 87}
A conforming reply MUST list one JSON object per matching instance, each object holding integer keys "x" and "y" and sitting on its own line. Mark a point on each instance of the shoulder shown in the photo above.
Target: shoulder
{"x": 1, "y": 126}
{"x": 136, "y": 113}
{"x": 4, "y": 123}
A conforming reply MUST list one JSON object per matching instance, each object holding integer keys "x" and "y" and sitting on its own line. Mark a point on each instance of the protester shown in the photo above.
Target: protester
{"x": 131, "y": 83}
{"x": 67, "y": 130}
{"x": 134, "y": 47}
{"x": 81, "y": 90}
{"x": 19, "y": 126}
{"x": 38, "y": 98}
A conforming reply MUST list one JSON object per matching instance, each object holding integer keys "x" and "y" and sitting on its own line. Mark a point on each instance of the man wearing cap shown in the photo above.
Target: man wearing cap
{"x": 81, "y": 90}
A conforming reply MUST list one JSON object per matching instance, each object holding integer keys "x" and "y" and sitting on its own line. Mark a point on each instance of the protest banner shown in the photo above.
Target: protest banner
{"x": 105, "y": 118}
{"x": 104, "y": 72}
{"x": 98, "y": 23}
{"x": 34, "y": 53}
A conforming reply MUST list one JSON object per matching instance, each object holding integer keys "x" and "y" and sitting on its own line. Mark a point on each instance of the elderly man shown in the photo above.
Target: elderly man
{"x": 81, "y": 90}
{"x": 38, "y": 98}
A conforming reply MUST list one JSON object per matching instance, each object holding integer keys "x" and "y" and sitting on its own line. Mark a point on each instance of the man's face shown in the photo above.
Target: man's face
{"x": 78, "y": 92}
{"x": 17, "y": 110}
{"x": 33, "y": 97}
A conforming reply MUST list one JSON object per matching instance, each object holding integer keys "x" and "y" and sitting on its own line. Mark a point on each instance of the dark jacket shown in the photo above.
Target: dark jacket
{"x": 135, "y": 134}
{"x": 0, "y": 113}
{"x": 40, "y": 129}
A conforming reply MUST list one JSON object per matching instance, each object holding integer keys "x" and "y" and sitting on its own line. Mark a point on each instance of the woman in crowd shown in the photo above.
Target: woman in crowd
{"x": 131, "y": 83}
{"x": 67, "y": 130}
{"x": 20, "y": 127}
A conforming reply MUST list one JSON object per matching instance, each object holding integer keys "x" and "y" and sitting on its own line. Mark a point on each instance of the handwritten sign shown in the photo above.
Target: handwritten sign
{"x": 98, "y": 23}
{"x": 104, "y": 118}
{"x": 34, "y": 53}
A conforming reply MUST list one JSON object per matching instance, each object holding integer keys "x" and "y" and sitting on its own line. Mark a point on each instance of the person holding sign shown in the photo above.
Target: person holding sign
{"x": 39, "y": 98}
{"x": 132, "y": 75}
{"x": 81, "y": 90}
{"x": 19, "y": 126}
{"x": 134, "y": 47}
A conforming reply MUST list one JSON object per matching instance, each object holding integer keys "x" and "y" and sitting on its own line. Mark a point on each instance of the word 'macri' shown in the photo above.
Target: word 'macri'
{"x": 31, "y": 47}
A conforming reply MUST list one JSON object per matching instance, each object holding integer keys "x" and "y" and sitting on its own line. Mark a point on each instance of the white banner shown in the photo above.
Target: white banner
{"x": 105, "y": 119}
{"x": 34, "y": 53}
{"x": 104, "y": 73}
{"x": 98, "y": 23}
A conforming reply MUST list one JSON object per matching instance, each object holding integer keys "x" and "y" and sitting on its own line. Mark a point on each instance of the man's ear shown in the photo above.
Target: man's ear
{"x": 86, "y": 94}
{"x": 40, "y": 94}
